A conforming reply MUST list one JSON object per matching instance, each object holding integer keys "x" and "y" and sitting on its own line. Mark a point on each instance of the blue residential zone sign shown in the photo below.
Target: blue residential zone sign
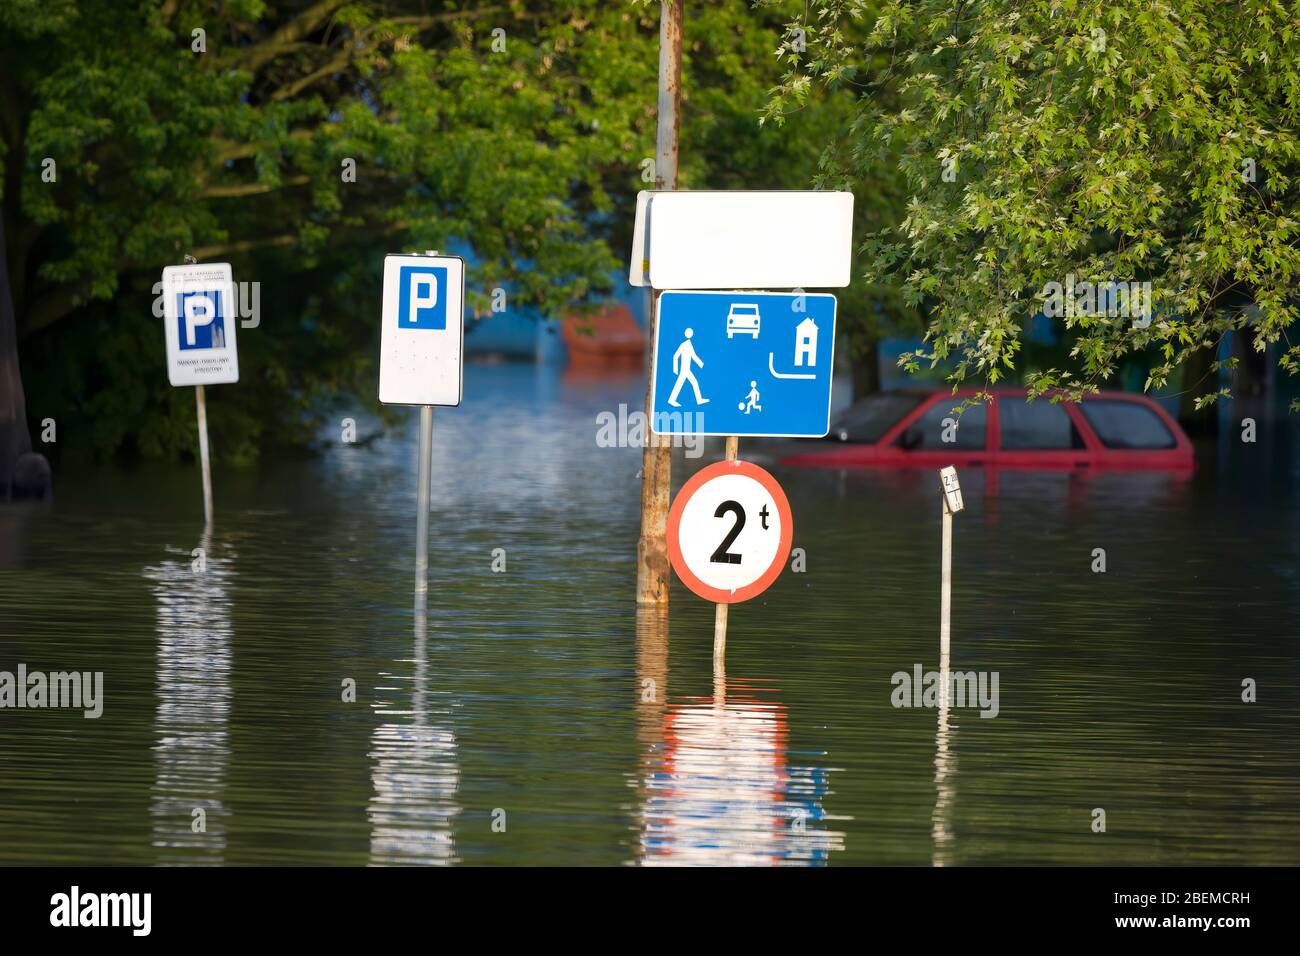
{"x": 755, "y": 364}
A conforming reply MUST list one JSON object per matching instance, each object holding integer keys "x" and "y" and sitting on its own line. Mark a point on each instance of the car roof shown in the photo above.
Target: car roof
{"x": 1002, "y": 391}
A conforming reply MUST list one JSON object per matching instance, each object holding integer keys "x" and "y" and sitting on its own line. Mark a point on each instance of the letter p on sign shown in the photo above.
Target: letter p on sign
{"x": 198, "y": 311}
{"x": 202, "y": 322}
{"x": 421, "y": 306}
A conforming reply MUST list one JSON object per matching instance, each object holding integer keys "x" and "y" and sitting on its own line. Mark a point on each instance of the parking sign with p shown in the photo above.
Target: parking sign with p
{"x": 421, "y": 305}
{"x": 421, "y": 339}
{"x": 198, "y": 309}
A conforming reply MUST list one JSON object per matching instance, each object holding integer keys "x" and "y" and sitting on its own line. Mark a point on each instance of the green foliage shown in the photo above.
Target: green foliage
{"x": 1114, "y": 140}
{"x": 532, "y": 155}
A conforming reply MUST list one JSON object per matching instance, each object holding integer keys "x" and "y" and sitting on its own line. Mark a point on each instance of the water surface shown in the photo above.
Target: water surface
{"x": 532, "y": 716}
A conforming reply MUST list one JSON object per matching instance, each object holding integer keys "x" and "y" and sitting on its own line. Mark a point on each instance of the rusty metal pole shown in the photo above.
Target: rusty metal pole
{"x": 656, "y": 460}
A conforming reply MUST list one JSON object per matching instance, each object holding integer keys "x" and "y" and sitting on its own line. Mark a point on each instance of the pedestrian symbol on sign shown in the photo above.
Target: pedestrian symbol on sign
{"x": 683, "y": 359}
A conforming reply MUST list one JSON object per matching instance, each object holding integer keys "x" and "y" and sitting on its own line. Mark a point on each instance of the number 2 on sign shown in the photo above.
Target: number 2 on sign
{"x": 722, "y": 555}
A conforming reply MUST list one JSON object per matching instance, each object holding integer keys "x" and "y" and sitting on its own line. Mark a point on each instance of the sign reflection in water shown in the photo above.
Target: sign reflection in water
{"x": 193, "y": 711}
{"x": 725, "y": 792}
{"x": 945, "y": 771}
{"x": 414, "y": 774}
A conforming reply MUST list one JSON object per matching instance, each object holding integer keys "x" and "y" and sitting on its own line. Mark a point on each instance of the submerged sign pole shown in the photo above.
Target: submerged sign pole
{"x": 421, "y": 351}
{"x": 204, "y": 462}
{"x": 424, "y": 481}
{"x": 201, "y": 407}
{"x": 729, "y": 534}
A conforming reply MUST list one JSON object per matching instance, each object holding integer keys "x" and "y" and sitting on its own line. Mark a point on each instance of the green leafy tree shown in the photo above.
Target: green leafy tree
{"x": 1111, "y": 141}
{"x": 301, "y": 140}
{"x": 297, "y": 141}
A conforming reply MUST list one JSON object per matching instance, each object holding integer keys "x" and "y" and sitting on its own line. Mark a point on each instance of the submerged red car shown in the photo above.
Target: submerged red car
{"x": 1112, "y": 430}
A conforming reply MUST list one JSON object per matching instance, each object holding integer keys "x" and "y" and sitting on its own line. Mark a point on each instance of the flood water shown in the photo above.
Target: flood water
{"x": 531, "y": 716}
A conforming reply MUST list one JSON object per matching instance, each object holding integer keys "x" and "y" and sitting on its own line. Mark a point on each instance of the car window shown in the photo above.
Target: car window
{"x": 1121, "y": 424}
{"x": 869, "y": 419}
{"x": 1036, "y": 426}
{"x": 935, "y": 431}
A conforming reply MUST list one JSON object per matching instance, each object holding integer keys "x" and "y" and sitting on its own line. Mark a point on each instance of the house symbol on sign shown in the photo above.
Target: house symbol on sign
{"x": 805, "y": 342}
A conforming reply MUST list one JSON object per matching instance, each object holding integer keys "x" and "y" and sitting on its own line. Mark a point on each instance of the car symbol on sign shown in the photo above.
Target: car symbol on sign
{"x": 742, "y": 319}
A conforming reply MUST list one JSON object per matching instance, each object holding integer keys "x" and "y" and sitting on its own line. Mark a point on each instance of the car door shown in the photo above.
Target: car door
{"x": 934, "y": 435}
{"x": 1038, "y": 434}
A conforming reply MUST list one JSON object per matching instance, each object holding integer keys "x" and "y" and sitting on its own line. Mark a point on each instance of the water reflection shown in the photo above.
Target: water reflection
{"x": 193, "y": 712}
{"x": 945, "y": 770}
{"x": 723, "y": 792}
{"x": 415, "y": 775}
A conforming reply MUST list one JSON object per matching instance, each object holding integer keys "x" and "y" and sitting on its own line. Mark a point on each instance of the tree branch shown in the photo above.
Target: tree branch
{"x": 243, "y": 245}
{"x": 51, "y": 306}
{"x": 250, "y": 189}
{"x": 433, "y": 19}
{"x": 229, "y": 149}
{"x": 254, "y": 57}
{"x": 336, "y": 65}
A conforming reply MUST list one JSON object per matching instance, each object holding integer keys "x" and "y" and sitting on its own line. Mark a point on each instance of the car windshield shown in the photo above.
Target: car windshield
{"x": 869, "y": 419}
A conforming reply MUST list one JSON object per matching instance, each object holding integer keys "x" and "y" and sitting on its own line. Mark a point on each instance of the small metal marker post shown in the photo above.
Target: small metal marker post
{"x": 205, "y": 463}
{"x": 952, "y": 503}
{"x": 720, "y": 610}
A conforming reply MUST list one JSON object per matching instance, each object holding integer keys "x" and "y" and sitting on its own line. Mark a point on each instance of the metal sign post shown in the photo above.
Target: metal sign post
{"x": 424, "y": 479}
{"x": 200, "y": 320}
{"x": 204, "y": 463}
{"x": 729, "y": 532}
{"x": 952, "y": 503}
{"x": 421, "y": 352}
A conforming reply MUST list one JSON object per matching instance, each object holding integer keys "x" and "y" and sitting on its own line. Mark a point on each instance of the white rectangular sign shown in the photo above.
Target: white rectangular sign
{"x": 200, "y": 314}
{"x": 422, "y": 338}
{"x": 736, "y": 239}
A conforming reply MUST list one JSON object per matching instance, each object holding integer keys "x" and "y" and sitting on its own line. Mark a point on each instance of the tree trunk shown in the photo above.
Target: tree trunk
{"x": 1251, "y": 378}
{"x": 15, "y": 439}
{"x": 1198, "y": 380}
{"x": 866, "y": 370}
{"x": 652, "y": 564}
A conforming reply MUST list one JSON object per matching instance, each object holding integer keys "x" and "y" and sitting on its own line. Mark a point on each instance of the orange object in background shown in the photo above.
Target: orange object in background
{"x": 608, "y": 339}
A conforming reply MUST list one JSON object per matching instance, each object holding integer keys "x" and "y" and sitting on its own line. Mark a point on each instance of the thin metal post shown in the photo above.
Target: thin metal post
{"x": 945, "y": 587}
{"x": 204, "y": 462}
{"x": 423, "y": 481}
{"x": 720, "y": 610}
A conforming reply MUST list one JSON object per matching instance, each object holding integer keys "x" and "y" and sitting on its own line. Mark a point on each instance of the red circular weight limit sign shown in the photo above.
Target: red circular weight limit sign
{"x": 729, "y": 531}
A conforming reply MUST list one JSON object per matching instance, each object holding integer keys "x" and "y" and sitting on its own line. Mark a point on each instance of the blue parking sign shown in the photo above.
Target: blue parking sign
{"x": 423, "y": 302}
{"x": 743, "y": 363}
{"x": 201, "y": 320}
